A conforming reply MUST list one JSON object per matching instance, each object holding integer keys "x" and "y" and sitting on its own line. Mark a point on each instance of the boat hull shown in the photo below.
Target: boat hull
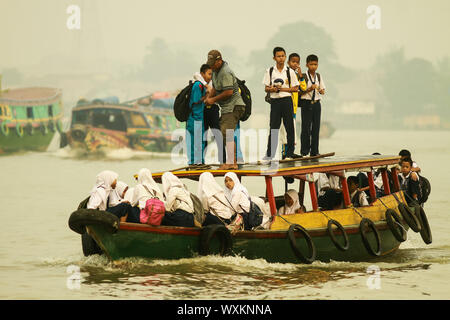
{"x": 14, "y": 143}
{"x": 135, "y": 240}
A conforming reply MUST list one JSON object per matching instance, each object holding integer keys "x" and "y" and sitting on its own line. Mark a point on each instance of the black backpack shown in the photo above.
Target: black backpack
{"x": 181, "y": 107}
{"x": 425, "y": 189}
{"x": 246, "y": 97}
{"x": 253, "y": 218}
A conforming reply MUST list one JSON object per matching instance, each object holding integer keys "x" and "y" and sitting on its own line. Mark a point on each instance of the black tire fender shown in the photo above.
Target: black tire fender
{"x": 425, "y": 231}
{"x": 215, "y": 230}
{"x": 362, "y": 228}
{"x": 89, "y": 245}
{"x": 333, "y": 236}
{"x": 292, "y": 241}
{"x": 83, "y": 217}
{"x": 409, "y": 216}
{"x": 395, "y": 224}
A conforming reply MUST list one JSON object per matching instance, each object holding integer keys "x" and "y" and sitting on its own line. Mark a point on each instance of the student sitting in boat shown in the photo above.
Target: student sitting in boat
{"x": 358, "y": 198}
{"x": 178, "y": 203}
{"x": 117, "y": 196}
{"x": 292, "y": 204}
{"x": 329, "y": 191}
{"x": 214, "y": 201}
{"x": 406, "y": 154}
{"x": 145, "y": 189}
{"x": 105, "y": 184}
{"x": 409, "y": 181}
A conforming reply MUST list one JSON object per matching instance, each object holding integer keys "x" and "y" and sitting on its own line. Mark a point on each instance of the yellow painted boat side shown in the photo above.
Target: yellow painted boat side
{"x": 346, "y": 217}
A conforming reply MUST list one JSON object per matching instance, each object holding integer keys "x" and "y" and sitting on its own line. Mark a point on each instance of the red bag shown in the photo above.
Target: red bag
{"x": 153, "y": 212}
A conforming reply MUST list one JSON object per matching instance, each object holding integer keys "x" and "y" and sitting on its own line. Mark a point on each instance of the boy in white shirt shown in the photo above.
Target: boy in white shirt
{"x": 280, "y": 82}
{"x": 311, "y": 108}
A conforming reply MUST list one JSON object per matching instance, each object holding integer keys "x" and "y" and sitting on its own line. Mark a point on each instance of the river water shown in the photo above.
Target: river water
{"x": 41, "y": 258}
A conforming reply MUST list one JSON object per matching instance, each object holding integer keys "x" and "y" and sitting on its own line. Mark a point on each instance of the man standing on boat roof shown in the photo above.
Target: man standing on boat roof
{"x": 225, "y": 92}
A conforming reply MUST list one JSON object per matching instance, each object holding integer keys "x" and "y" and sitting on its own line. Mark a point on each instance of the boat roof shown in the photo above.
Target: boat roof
{"x": 30, "y": 96}
{"x": 294, "y": 168}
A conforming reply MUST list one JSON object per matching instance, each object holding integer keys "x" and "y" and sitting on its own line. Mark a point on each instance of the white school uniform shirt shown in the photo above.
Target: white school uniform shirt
{"x": 283, "y": 76}
{"x": 323, "y": 181}
{"x": 208, "y": 189}
{"x": 177, "y": 197}
{"x": 296, "y": 203}
{"x": 362, "y": 198}
{"x": 115, "y": 198}
{"x": 315, "y": 79}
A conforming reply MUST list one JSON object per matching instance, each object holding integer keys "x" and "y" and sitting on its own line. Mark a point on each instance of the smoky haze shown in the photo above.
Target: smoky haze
{"x": 131, "y": 48}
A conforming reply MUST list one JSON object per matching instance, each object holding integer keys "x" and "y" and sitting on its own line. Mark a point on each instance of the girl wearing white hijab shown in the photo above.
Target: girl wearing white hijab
{"x": 214, "y": 201}
{"x": 292, "y": 203}
{"x": 102, "y": 193}
{"x": 118, "y": 195}
{"x": 105, "y": 182}
{"x": 178, "y": 203}
{"x": 236, "y": 194}
{"x": 145, "y": 189}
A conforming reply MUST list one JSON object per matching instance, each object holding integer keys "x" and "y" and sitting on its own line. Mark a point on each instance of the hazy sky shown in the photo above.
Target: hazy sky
{"x": 32, "y": 32}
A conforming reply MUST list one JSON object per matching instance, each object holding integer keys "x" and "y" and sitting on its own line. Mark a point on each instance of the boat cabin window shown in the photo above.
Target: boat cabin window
{"x": 50, "y": 110}
{"x": 109, "y": 119}
{"x": 30, "y": 114}
{"x": 1, "y": 111}
{"x": 138, "y": 120}
{"x": 80, "y": 117}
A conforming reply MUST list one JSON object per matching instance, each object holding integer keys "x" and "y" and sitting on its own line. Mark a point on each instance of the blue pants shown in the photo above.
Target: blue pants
{"x": 195, "y": 129}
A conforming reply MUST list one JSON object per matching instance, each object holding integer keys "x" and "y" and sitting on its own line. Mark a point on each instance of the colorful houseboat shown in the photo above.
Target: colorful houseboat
{"x": 29, "y": 118}
{"x": 346, "y": 234}
{"x": 144, "y": 124}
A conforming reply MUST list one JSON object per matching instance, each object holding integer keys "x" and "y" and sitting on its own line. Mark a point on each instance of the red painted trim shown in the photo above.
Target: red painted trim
{"x": 384, "y": 175}
{"x": 373, "y": 192}
{"x": 301, "y": 191}
{"x": 313, "y": 193}
{"x": 159, "y": 229}
{"x": 395, "y": 178}
{"x": 270, "y": 195}
{"x": 345, "y": 192}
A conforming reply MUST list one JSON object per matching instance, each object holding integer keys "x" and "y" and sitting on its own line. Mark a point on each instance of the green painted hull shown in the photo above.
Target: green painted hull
{"x": 133, "y": 240}
{"x": 36, "y": 142}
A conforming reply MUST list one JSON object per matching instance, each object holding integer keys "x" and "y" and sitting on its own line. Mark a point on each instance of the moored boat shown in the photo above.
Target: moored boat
{"x": 29, "y": 118}
{"x": 347, "y": 234}
{"x": 144, "y": 124}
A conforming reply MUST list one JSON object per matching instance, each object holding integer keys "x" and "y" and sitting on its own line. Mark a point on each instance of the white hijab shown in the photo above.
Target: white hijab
{"x": 141, "y": 194}
{"x": 174, "y": 190}
{"x": 296, "y": 205}
{"x": 238, "y": 196}
{"x": 103, "y": 181}
{"x": 208, "y": 187}
{"x": 116, "y": 196}
{"x": 198, "y": 77}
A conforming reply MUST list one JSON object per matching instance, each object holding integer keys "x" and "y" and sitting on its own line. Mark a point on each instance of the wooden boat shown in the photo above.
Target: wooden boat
{"x": 29, "y": 118}
{"x": 144, "y": 124}
{"x": 347, "y": 234}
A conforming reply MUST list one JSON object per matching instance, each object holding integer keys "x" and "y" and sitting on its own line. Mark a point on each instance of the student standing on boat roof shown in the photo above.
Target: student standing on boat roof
{"x": 225, "y": 92}
{"x": 214, "y": 201}
{"x": 178, "y": 203}
{"x": 195, "y": 126}
{"x": 280, "y": 81}
{"x": 358, "y": 198}
{"x": 291, "y": 203}
{"x": 294, "y": 64}
{"x": 311, "y": 108}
